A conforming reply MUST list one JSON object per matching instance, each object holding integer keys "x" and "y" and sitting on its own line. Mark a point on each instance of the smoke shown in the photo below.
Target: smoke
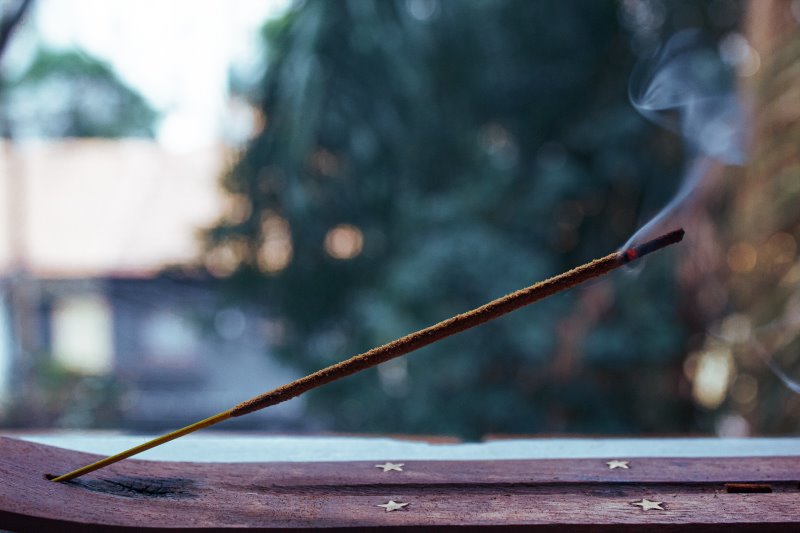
{"x": 688, "y": 88}
{"x": 788, "y": 382}
{"x": 759, "y": 349}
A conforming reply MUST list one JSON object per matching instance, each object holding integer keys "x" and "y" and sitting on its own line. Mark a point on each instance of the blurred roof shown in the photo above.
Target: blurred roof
{"x": 95, "y": 207}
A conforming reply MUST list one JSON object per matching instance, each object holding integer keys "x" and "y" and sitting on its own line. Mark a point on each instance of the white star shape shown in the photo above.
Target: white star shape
{"x": 617, "y": 464}
{"x": 388, "y": 467}
{"x": 646, "y": 505}
{"x": 392, "y": 505}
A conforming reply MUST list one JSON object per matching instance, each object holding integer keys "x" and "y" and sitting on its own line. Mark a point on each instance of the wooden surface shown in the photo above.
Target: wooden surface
{"x": 567, "y": 494}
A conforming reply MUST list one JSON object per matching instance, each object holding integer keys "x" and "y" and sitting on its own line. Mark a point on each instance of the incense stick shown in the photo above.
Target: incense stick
{"x": 404, "y": 345}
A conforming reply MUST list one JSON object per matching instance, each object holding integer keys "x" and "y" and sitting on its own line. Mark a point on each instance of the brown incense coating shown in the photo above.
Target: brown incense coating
{"x": 456, "y": 324}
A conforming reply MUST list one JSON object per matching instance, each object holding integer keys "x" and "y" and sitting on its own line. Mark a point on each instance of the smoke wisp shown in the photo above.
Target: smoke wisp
{"x": 687, "y": 88}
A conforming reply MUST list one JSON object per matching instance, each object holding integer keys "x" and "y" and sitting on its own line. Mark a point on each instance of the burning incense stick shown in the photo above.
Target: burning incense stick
{"x": 409, "y": 343}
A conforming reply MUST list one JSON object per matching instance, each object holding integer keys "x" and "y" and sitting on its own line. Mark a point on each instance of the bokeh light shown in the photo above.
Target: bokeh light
{"x": 344, "y": 241}
{"x": 276, "y": 248}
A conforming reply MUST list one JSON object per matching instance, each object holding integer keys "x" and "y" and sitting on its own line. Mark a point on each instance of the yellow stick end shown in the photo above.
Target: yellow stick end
{"x": 142, "y": 447}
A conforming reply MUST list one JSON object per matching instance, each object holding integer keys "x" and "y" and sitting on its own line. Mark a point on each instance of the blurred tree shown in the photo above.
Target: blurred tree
{"x": 761, "y": 231}
{"x": 71, "y": 94}
{"x": 419, "y": 158}
{"x": 11, "y": 16}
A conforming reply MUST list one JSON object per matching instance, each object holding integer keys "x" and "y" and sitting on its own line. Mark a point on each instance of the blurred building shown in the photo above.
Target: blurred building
{"x": 91, "y": 226}
{"x": 81, "y": 208}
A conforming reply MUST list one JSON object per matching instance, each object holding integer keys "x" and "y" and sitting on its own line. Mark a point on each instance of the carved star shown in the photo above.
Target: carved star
{"x": 392, "y": 505}
{"x": 617, "y": 464}
{"x": 646, "y": 505}
{"x": 388, "y": 467}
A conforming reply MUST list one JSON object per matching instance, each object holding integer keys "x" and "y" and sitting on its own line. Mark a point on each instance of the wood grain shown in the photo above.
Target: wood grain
{"x": 568, "y": 494}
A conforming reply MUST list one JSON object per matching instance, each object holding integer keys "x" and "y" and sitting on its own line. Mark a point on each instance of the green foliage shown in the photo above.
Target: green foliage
{"x": 70, "y": 94}
{"x": 478, "y": 147}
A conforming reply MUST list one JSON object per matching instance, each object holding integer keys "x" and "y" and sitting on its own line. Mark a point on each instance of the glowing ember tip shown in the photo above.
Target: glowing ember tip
{"x": 635, "y": 252}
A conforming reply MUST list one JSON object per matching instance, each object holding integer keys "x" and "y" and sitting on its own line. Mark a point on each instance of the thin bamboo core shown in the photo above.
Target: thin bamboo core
{"x": 210, "y": 421}
{"x": 409, "y": 343}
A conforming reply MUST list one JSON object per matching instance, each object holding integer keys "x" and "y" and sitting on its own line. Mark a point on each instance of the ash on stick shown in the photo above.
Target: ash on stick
{"x": 409, "y": 343}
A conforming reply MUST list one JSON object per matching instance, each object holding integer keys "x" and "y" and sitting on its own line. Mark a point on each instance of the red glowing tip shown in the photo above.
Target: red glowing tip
{"x": 631, "y": 254}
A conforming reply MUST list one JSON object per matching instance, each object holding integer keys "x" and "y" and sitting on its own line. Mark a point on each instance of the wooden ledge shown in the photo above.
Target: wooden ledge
{"x": 683, "y": 493}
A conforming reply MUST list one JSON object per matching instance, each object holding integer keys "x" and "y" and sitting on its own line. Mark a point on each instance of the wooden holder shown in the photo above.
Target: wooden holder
{"x": 554, "y": 494}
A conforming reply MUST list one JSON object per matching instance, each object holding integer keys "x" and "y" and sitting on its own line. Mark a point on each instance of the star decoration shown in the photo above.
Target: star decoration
{"x": 392, "y": 505}
{"x": 646, "y": 505}
{"x": 617, "y": 464}
{"x": 388, "y": 467}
